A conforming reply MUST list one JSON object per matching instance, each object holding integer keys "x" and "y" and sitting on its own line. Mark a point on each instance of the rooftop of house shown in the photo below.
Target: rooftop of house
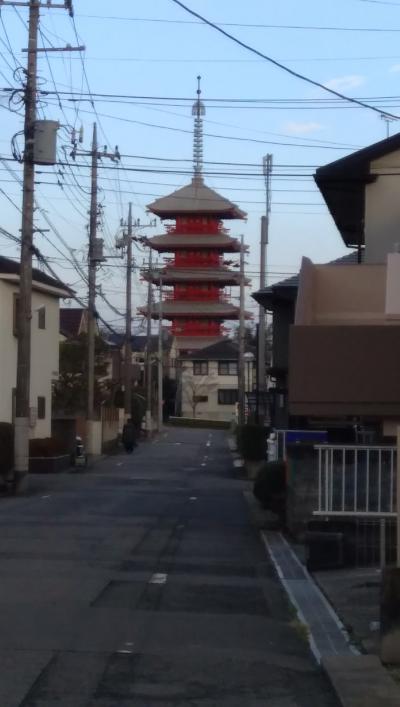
{"x": 342, "y": 184}
{"x": 225, "y": 350}
{"x": 139, "y": 341}
{"x": 71, "y": 320}
{"x": 12, "y": 267}
{"x": 195, "y": 198}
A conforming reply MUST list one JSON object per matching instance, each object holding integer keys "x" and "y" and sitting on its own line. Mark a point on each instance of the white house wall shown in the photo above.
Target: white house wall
{"x": 382, "y": 209}
{"x": 44, "y": 355}
{"x": 207, "y": 385}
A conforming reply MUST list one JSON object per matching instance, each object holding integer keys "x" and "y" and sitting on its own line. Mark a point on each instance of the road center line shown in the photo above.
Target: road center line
{"x": 158, "y": 578}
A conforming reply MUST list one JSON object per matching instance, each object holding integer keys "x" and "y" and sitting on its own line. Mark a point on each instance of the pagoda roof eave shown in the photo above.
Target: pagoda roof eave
{"x": 171, "y": 276}
{"x": 169, "y": 242}
{"x": 195, "y": 198}
{"x": 188, "y": 309}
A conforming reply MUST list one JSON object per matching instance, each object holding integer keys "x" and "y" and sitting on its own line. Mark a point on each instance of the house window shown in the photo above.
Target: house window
{"x": 200, "y": 398}
{"x": 200, "y": 368}
{"x": 15, "y": 314}
{"x": 41, "y": 407}
{"x": 42, "y": 318}
{"x": 227, "y": 368}
{"x": 227, "y": 396}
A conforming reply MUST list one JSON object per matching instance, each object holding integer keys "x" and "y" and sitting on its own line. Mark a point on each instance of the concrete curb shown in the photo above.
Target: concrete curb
{"x": 357, "y": 680}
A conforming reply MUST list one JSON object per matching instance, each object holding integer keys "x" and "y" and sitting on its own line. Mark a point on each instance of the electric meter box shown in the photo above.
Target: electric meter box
{"x": 45, "y": 143}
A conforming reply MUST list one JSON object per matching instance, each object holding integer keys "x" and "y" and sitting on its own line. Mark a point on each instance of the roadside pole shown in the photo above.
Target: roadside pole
{"x": 160, "y": 361}
{"x": 128, "y": 323}
{"x": 148, "y": 351}
{"x": 241, "y": 371}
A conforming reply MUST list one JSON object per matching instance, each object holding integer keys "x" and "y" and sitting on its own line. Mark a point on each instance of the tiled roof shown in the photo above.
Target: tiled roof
{"x": 12, "y": 267}
{"x": 342, "y": 184}
{"x": 225, "y": 350}
{"x": 195, "y": 198}
{"x": 138, "y": 342}
{"x": 71, "y": 320}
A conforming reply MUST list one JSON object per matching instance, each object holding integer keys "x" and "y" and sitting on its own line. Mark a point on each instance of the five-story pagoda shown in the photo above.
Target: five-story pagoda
{"x": 196, "y": 304}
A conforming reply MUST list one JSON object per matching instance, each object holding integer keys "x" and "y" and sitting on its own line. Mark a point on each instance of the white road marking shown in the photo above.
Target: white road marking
{"x": 208, "y": 444}
{"x": 46, "y": 497}
{"x": 203, "y": 464}
{"x": 158, "y": 578}
{"x": 125, "y": 651}
{"x": 237, "y": 463}
{"x": 178, "y": 444}
{"x": 119, "y": 463}
{"x": 193, "y": 498}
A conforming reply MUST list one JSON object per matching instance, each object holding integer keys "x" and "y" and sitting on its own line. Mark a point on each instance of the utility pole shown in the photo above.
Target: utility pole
{"x": 241, "y": 371}
{"x": 267, "y": 170}
{"x": 24, "y": 312}
{"x": 91, "y": 326}
{"x": 95, "y": 256}
{"x": 148, "y": 351}
{"x": 160, "y": 361}
{"x": 128, "y": 323}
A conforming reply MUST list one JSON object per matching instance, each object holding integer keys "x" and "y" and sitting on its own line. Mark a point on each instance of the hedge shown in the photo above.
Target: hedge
{"x": 252, "y": 442}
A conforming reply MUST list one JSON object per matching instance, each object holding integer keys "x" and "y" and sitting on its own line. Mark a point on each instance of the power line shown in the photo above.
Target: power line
{"x": 319, "y": 28}
{"x": 296, "y": 74}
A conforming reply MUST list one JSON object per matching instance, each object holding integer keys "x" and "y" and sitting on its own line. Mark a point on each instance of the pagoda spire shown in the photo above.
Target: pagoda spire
{"x": 198, "y": 110}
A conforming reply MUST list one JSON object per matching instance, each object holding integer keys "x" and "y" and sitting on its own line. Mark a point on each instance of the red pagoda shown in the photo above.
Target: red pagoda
{"x": 196, "y": 305}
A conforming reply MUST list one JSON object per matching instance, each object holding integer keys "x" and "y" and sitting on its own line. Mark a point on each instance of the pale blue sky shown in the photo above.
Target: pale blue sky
{"x": 129, "y": 51}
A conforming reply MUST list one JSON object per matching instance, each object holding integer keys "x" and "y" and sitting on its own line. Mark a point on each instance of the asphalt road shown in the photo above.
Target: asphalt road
{"x": 141, "y": 583}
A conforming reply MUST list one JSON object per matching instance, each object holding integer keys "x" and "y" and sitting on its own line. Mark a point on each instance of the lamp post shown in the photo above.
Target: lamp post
{"x": 249, "y": 360}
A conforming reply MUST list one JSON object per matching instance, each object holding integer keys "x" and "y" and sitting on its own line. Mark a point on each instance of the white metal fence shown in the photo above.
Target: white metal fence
{"x": 356, "y": 480}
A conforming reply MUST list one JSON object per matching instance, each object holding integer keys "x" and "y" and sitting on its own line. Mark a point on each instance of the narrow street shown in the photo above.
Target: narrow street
{"x": 142, "y": 583}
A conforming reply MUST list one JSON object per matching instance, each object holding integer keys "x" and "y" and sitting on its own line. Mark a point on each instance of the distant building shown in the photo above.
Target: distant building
{"x": 46, "y": 293}
{"x": 209, "y": 382}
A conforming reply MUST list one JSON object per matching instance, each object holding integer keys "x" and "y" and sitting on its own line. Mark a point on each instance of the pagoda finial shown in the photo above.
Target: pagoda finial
{"x": 198, "y": 111}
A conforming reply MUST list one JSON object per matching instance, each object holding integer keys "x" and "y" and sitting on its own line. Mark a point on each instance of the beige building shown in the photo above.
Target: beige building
{"x": 46, "y": 293}
{"x": 342, "y": 368}
{"x": 209, "y": 382}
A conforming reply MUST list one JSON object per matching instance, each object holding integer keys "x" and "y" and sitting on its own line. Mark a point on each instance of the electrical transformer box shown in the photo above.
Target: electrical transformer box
{"x": 45, "y": 144}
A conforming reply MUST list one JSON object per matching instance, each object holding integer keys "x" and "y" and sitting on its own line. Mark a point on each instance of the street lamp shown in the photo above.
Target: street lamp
{"x": 249, "y": 360}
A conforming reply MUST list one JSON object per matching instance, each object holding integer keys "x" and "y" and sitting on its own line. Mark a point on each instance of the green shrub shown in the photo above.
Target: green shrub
{"x": 46, "y": 447}
{"x": 252, "y": 442}
{"x": 270, "y": 486}
{"x": 6, "y": 448}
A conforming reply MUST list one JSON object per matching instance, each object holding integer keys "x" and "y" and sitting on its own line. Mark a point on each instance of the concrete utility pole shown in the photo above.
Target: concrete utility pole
{"x": 148, "y": 351}
{"x": 24, "y": 310}
{"x": 128, "y": 323}
{"x": 92, "y": 280}
{"x": 95, "y": 256}
{"x": 160, "y": 361}
{"x": 24, "y": 313}
{"x": 261, "y": 357}
{"x": 241, "y": 371}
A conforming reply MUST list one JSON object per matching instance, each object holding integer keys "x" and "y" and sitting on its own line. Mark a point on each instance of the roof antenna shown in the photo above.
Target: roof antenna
{"x": 198, "y": 110}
